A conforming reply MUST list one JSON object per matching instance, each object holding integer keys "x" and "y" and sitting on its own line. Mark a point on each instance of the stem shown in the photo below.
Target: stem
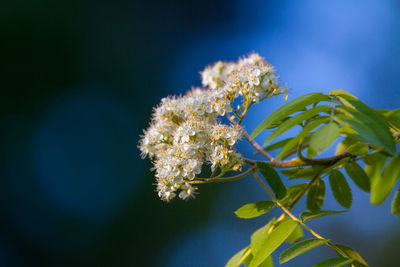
{"x": 244, "y": 113}
{"x": 219, "y": 180}
{"x": 213, "y": 173}
{"x": 300, "y": 148}
{"x": 235, "y": 112}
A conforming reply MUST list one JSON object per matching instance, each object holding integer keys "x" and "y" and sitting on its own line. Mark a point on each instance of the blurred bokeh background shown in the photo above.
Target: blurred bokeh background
{"x": 79, "y": 80}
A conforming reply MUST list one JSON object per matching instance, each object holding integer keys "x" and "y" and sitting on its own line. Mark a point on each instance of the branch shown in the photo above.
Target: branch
{"x": 258, "y": 147}
{"x": 305, "y": 162}
{"x": 327, "y": 161}
{"x": 320, "y": 161}
{"x": 252, "y": 142}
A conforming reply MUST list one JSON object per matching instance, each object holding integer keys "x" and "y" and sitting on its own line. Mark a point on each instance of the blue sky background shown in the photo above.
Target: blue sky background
{"x": 316, "y": 47}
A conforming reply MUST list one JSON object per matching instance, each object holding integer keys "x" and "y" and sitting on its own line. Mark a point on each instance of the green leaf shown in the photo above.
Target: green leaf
{"x": 340, "y": 189}
{"x": 267, "y": 262}
{"x": 247, "y": 260}
{"x": 324, "y": 137}
{"x": 305, "y": 216}
{"x": 358, "y": 149}
{"x": 351, "y": 253}
{"x": 337, "y": 165}
{"x": 307, "y": 172}
{"x": 334, "y": 262}
{"x": 369, "y": 123}
{"x": 289, "y": 108}
{"x": 346, "y": 143}
{"x": 305, "y": 145}
{"x": 364, "y": 109}
{"x": 358, "y": 175}
{"x": 396, "y": 204}
{"x": 368, "y": 131}
{"x": 273, "y": 241}
{"x": 316, "y": 196}
{"x": 296, "y": 235}
{"x": 381, "y": 187}
{"x": 393, "y": 119}
{"x": 258, "y": 237}
{"x": 292, "y": 192}
{"x": 277, "y": 123}
{"x": 273, "y": 179}
{"x": 311, "y": 153}
{"x": 346, "y": 129}
{"x": 355, "y": 126}
{"x": 296, "y": 120}
{"x": 235, "y": 258}
{"x": 373, "y": 165}
{"x": 254, "y": 209}
{"x": 277, "y": 144}
{"x": 300, "y": 248}
{"x": 304, "y": 132}
{"x": 340, "y": 92}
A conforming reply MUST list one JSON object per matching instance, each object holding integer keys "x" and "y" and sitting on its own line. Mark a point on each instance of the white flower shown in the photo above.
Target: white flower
{"x": 215, "y": 76}
{"x": 187, "y": 191}
{"x": 225, "y": 133}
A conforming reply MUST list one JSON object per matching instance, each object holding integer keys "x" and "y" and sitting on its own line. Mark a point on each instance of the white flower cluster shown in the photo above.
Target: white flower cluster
{"x": 186, "y": 132}
{"x": 251, "y": 77}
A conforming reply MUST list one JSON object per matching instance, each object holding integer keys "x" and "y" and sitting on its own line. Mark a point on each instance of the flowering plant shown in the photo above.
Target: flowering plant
{"x": 187, "y": 137}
